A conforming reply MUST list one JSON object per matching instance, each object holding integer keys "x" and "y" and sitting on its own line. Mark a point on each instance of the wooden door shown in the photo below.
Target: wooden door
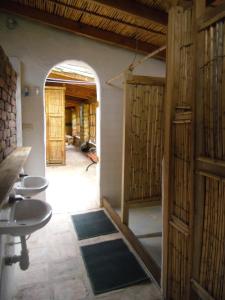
{"x": 143, "y": 142}
{"x": 55, "y": 125}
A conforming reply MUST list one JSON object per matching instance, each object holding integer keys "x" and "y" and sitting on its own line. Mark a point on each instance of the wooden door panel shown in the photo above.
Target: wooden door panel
{"x": 55, "y": 129}
{"x": 55, "y": 152}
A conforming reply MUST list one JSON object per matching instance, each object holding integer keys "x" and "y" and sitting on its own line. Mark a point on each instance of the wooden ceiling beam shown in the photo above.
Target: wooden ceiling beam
{"x": 70, "y": 100}
{"x": 70, "y": 76}
{"x": 77, "y": 28}
{"x": 136, "y": 10}
{"x": 80, "y": 92}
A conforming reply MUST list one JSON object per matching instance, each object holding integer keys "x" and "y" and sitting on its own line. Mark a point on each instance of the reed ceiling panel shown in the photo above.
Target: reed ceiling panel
{"x": 106, "y": 18}
{"x": 159, "y": 4}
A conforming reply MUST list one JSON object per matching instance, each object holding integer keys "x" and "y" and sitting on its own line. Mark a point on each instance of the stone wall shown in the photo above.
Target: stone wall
{"x": 7, "y": 106}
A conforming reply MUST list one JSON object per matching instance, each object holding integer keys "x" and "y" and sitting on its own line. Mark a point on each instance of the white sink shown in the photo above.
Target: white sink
{"x": 30, "y": 186}
{"x": 25, "y": 217}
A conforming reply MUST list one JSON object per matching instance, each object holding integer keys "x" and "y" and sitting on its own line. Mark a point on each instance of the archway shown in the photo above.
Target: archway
{"x": 71, "y": 101}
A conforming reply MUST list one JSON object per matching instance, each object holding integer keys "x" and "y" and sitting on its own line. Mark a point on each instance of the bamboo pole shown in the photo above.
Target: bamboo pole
{"x": 135, "y": 64}
{"x": 222, "y": 289}
{"x": 212, "y": 153}
{"x": 218, "y": 240}
{"x": 223, "y": 94}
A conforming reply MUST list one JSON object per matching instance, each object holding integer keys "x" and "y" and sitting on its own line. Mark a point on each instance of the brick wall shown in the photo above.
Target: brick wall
{"x": 7, "y": 106}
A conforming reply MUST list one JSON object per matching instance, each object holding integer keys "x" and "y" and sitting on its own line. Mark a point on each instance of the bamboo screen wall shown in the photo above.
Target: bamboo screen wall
{"x": 76, "y": 121}
{"x": 210, "y": 166}
{"x": 180, "y": 181}
{"x": 194, "y": 254}
{"x": 143, "y": 141}
{"x": 213, "y": 91}
{"x": 212, "y": 276}
{"x": 92, "y": 122}
{"x": 85, "y": 130}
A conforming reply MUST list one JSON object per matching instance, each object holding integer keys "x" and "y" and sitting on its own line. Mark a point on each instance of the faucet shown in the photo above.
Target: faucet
{"x": 22, "y": 175}
{"x": 13, "y": 198}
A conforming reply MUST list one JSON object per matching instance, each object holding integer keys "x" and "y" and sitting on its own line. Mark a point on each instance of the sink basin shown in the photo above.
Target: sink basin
{"x": 30, "y": 186}
{"x": 25, "y": 217}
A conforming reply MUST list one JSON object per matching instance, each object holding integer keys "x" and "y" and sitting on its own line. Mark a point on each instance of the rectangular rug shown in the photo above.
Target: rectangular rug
{"x": 92, "y": 224}
{"x": 111, "y": 265}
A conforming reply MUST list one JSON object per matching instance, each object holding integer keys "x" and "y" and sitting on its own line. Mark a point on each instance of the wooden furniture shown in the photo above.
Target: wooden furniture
{"x": 93, "y": 157}
{"x": 55, "y": 124}
{"x": 10, "y": 169}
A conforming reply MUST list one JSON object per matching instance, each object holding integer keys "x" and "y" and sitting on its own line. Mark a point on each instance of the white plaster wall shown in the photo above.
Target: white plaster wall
{"x": 39, "y": 48}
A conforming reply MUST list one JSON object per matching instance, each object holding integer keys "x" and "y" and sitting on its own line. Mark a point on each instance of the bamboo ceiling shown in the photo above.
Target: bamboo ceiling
{"x": 139, "y": 25}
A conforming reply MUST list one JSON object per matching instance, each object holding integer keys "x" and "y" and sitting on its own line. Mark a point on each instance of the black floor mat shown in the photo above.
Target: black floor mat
{"x": 92, "y": 224}
{"x": 111, "y": 265}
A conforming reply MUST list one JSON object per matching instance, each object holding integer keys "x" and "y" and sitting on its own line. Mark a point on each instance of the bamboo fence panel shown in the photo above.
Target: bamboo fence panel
{"x": 92, "y": 122}
{"x": 182, "y": 170}
{"x": 76, "y": 121}
{"x": 199, "y": 232}
{"x": 181, "y": 204}
{"x": 213, "y": 92}
{"x": 178, "y": 265}
{"x": 146, "y": 142}
{"x": 84, "y": 125}
{"x": 184, "y": 70}
{"x": 212, "y": 271}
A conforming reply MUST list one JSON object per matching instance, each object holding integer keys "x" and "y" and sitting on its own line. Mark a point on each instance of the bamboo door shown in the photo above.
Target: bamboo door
{"x": 55, "y": 125}
{"x": 143, "y": 142}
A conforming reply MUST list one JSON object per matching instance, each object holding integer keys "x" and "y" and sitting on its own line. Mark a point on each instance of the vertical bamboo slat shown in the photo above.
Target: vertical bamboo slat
{"x": 145, "y": 148}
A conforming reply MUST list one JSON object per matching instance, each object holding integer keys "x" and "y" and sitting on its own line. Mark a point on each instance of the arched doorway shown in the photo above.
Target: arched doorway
{"x": 72, "y": 122}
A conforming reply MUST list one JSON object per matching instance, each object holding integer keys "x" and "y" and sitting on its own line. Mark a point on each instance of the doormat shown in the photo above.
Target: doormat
{"x": 110, "y": 266}
{"x": 92, "y": 224}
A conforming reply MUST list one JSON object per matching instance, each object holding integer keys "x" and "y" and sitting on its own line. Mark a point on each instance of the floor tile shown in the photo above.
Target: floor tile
{"x": 57, "y": 271}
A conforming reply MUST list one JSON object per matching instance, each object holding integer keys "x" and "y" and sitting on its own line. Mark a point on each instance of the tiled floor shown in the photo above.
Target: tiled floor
{"x": 145, "y": 220}
{"x": 57, "y": 271}
{"x": 71, "y": 188}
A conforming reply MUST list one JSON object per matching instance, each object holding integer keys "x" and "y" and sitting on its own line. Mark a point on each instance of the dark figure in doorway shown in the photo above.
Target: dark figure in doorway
{"x": 90, "y": 151}
{"x": 84, "y": 147}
